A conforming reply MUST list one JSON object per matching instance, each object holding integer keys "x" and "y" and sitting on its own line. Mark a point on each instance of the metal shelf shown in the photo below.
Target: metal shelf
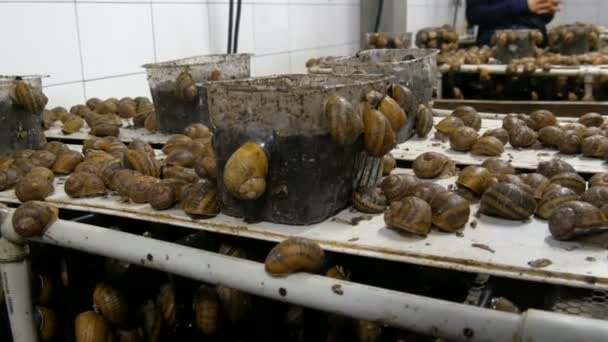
{"x": 127, "y": 134}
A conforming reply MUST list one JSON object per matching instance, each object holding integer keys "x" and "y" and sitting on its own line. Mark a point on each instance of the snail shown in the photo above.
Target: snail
{"x": 182, "y": 173}
{"x": 526, "y": 119}
{"x": 388, "y": 164}
{"x": 369, "y": 200}
{"x": 570, "y": 180}
{"x": 424, "y": 121}
{"x": 122, "y": 180}
{"x": 570, "y": 142}
{"x": 368, "y": 331}
{"x": 449, "y": 125}
{"x": 164, "y": 194}
{"x": 591, "y": 120}
{"x": 542, "y": 118}
{"x": 24, "y": 165}
{"x": 343, "y": 123}
{"x": 206, "y": 308}
{"x": 107, "y": 106}
{"x": 245, "y": 172}
{"x": 79, "y": 109}
{"x": 56, "y": 147}
{"x": 235, "y": 304}
{"x": 32, "y": 188}
{"x": 463, "y": 138}
{"x": 152, "y": 321}
{"x": 67, "y": 161}
{"x": 33, "y": 218}
{"x": 139, "y": 187}
{"x": 106, "y": 171}
{"x": 185, "y": 89}
{"x": 599, "y": 179}
{"x": 411, "y": 214}
{"x": 206, "y": 166}
{"x": 174, "y": 142}
{"x": 575, "y": 218}
{"x": 200, "y": 199}
{"x": 48, "y": 118}
{"x": 43, "y": 158}
{"x": 596, "y": 195}
{"x": 198, "y": 131}
{"x": 372, "y": 99}
{"x": 46, "y": 322}
{"x": 552, "y": 199}
{"x": 127, "y": 108}
{"x": 476, "y": 178}
{"x": 133, "y": 335}
{"x": 488, "y": 146}
{"x": 379, "y": 137}
{"x": 469, "y": 116}
{"x": 499, "y": 133}
{"x": 42, "y": 290}
{"x": 575, "y": 127}
{"x": 595, "y": 146}
{"x": 293, "y": 255}
{"x": 427, "y": 191}
{"x": 536, "y": 37}
{"x": 104, "y": 130}
{"x": 139, "y": 119}
{"x": 511, "y": 121}
{"x": 554, "y": 166}
{"x": 338, "y": 272}
{"x": 509, "y": 201}
{"x": 144, "y": 163}
{"x": 503, "y": 304}
{"x": 30, "y": 98}
{"x": 537, "y": 182}
{"x": 150, "y": 123}
{"x": 433, "y": 164}
{"x": 111, "y": 303}
{"x": 41, "y": 172}
{"x": 166, "y": 303}
{"x": 72, "y": 125}
{"x": 91, "y": 327}
{"x": 84, "y": 184}
{"x": 9, "y": 177}
{"x": 522, "y": 136}
{"x": 450, "y": 211}
{"x": 591, "y": 131}
{"x": 180, "y": 157}
{"x": 393, "y": 112}
{"x": 396, "y": 187}
{"x": 215, "y": 75}
{"x": 144, "y": 105}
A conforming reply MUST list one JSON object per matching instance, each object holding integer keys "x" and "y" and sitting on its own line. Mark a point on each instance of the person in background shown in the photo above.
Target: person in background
{"x": 491, "y": 15}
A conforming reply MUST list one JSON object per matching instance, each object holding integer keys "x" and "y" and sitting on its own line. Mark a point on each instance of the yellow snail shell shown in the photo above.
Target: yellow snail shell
{"x": 67, "y": 161}
{"x": 488, "y": 146}
{"x": 111, "y": 303}
{"x": 33, "y": 218}
{"x": 393, "y": 112}
{"x": 245, "y": 172}
{"x": 449, "y": 124}
{"x": 344, "y": 124}
{"x": 293, "y": 255}
{"x": 91, "y": 327}
{"x": 410, "y": 214}
{"x": 378, "y": 135}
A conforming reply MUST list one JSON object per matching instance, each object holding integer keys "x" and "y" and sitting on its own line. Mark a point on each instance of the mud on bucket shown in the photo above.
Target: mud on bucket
{"x": 289, "y": 148}
{"x": 21, "y": 106}
{"x": 177, "y": 102}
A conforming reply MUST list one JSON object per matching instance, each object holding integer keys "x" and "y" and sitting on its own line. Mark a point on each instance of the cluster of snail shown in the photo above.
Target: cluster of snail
{"x": 29, "y": 98}
{"x": 103, "y": 117}
{"x": 504, "y": 38}
{"x": 320, "y": 61}
{"x": 383, "y": 40}
{"x": 444, "y": 38}
{"x": 563, "y": 36}
{"x": 473, "y": 56}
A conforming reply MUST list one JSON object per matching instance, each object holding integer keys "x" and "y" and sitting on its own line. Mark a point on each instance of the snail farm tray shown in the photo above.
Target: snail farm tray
{"x": 128, "y": 133}
{"x": 515, "y": 249}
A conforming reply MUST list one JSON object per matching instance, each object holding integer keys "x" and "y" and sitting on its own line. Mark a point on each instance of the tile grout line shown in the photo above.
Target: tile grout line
{"x": 153, "y": 32}
{"x": 209, "y": 50}
{"x": 81, "y": 58}
{"x": 288, "y": 34}
{"x": 173, "y": 2}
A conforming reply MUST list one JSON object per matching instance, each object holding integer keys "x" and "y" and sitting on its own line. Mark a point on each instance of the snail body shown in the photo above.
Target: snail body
{"x": 570, "y": 180}
{"x": 84, "y": 184}
{"x": 509, "y": 201}
{"x": 552, "y": 199}
{"x": 200, "y": 199}
{"x": 33, "y": 218}
{"x": 476, "y": 178}
{"x": 293, "y": 255}
{"x": 411, "y": 214}
{"x": 369, "y": 200}
{"x": 206, "y": 308}
{"x": 463, "y": 138}
{"x": 245, "y": 172}
{"x": 378, "y": 135}
{"x": 111, "y": 303}
{"x": 488, "y": 146}
{"x": 554, "y": 166}
{"x": 573, "y": 218}
{"x": 498, "y": 133}
{"x": 433, "y": 164}
{"x": 32, "y": 188}
{"x": 91, "y": 327}
{"x": 424, "y": 121}
{"x": 450, "y": 211}
{"x": 396, "y": 187}
{"x": 67, "y": 161}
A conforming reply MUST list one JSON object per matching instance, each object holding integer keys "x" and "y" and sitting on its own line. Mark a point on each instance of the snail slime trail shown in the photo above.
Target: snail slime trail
{"x": 174, "y": 114}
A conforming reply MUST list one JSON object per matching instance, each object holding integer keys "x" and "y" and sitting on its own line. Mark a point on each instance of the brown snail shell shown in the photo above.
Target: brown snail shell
{"x": 43, "y": 158}
{"x": 106, "y": 171}
{"x": 537, "y": 182}
{"x": 599, "y": 179}
{"x": 56, "y": 147}
{"x": 542, "y": 118}
{"x": 499, "y": 133}
{"x": 424, "y": 121}
{"x": 150, "y": 122}
{"x": 511, "y": 178}
{"x": 93, "y": 166}
{"x": 139, "y": 187}
{"x": 46, "y": 322}
{"x": 488, "y": 146}
{"x": 570, "y": 142}
{"x": 164, "y": 194}
{"x": 24, "y": 154}
{"x": 509, "y": 201}
{"x": 30, "y": 98}
{"x": 107, "y": 106}
{"x": 293, "y": 255}
{"x": 573, "y": 218}
{"x": 185, "y": 89}
{"x": 379, "y": 137}
{"x": 198, "y": 131}
{"x": 450, "y": 211}
{"x": 344, "y": 124}
{"x": 410, "y": 214}
{"x": 79, "y": 109}
{"x": 591, "y": 131}
{"x": 166, "y": 302}
{"x": 122, "y": 180}
{"x": 591, "y": 120}
{"x": 373, "y": 99}
{"x": 370, "y": 201}
{"x": 522, "y": 136}
{"x": 200, "y": 199}
{"x": 104, "y": 130}
{"x": 449, "y": 124}
{"x": 174, "y": 142}
{"x": 554, "y": 166}
{"x": 206, "y": 166}
{"x": 111, "y": 303}
{"x": 388, "y": 164}
{"x": 575, "y": 127}
{"x": 9, "y": 177}
{"x": 33, "y": 218}
{"x": 141, "y": 145}
{"x": 570, "y": 180}
{"x": 427, "y": 191}
{"x": 368, "y": 331}
{"x": 235, "y": 304}
{"x": 393, "y": 112}
{"x": 127, "y": 108}
{"x": 403, "y": 95}
{"x": 245, "y": 172}
{"x": 84, "y": 184}
{"x": 42, "y": 172}
{"x": 595, "y": 146}
{"x": 476, "y": 178}
{"x": 463, "y": 138}
{"x": 552, "y": 199}
{"x": 23, "y": 164}
{"x": 469, "y": 116}
{"x": 144, "y": 163}
{"x": 180, "y": 157}
{"x": 395, "y": 187}
{"x": 182, "y": 173}
{"x": 33, "y": 189}
{"x": 139, "y": 119}
{"x": 91, "y": 327}
{"x": 72, "y": 125}
{"x": 433, "y": 164}
{"x": 511, "y": 121}
{"x": 206, "y": 308}
{"x": 67, "y": 161}
{"x": 596, "y": 195}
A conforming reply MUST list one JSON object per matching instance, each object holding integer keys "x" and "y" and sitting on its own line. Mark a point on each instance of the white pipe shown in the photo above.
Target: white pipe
{"x": 15, "y": 270}
{"x": 547, "y": 326}
{"x": 582, "y": 70}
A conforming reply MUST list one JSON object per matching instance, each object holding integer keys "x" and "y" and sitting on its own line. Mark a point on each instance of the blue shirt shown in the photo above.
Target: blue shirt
{"x": 491, "y": 15}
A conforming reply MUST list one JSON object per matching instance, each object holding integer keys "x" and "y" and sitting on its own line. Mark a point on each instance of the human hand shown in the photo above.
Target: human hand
{"x": 543, "y": 6}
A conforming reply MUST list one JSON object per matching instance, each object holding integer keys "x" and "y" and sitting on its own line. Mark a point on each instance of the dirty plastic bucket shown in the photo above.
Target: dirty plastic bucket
{"x": 521, "y": 47}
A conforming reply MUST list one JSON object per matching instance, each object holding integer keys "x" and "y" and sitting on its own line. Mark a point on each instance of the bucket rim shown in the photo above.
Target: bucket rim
{"x": 10, "y": 78}
{"x": 205, "y": 59}
{"x": 354, "y": 60}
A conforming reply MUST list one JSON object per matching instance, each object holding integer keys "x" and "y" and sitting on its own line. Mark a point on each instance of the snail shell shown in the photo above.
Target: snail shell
{"x": 198, "y": 131}
{"x": 552, "y": 199}
{"x": 393, "y": 112}
{"x": 378, "y": 135}
{"x": 139, "y": 119}
{"x": 449, "y": 124}
{"x": 450, "y": 211}
{"x": 537, "y": 182}
{"x": 84, "y": 184}
{"x": 111, "y": 303}
{"x": 343, "y": 123}
{"x": 134, "y": 335}
{"x": 80, "y": 109}
{"x": 48, "y": 119}
{"x": 46, "y": 322}
{"x": 542, "y": 118}
{"x": 91, "y": 327}
{"x": 245, "y": 172}
{"x": 424, "y": 121}
{"x": 33, "y": 189}
{"x": 56, "y": 147}
{"x": 139, "y": 187}
{"x": 463, "y": 138}
{"x": 41, "y": 172}
{"x": 488, "y": 146}
{"x": 33, "y": 218}
{"x": 150, "y": 122}
{"x": 368, "y": 331}
{"x": 338, "y": 272}
{"x": 511, "y": 121}
{"x": 43, "y": 158}
{"x": 185, "y": 89}
{"x": 200, "y": 199}
{"x": 235, "y": 304}
{"x": 591, "y": 120}
{"x": 144, "y": 163}
{"x": 591, "y": 131}
{"x": 107, "y": 106}
{"x": 427, "y": 191}
{"x": 570, "y": 180}
{"x": 106, "y": 171}
{"x": 410, "y": 214}
{"x": 180, "y": 157}
{"x": 595, "y": 146}
{"x": 127, "y": 108}
{"x": 293, "y": 255}
{"x": 433, "y": 164}
{"x": 509, "y": 201}
{"x": 30, "y": 98}
{"x": 522, "y": 136}
{"x": 575, "y": 127}
{"x": 206, "y": 308}
{"x": 174, "y": 142}
{"x": 104, "y": 130}
{"x": 67, "y": 161}
{"x": 369, "y": 200}
{"x": 395, "y": 187}
{"x": 24, "y": 165}
{"x": 469, "y": 116}
{"x": 403, "y": 95}
{"x": 8, "y": 178}
{"x": 206, "y": 166}
{"x": 388, "y": 164}
{"x": 373, "y": 99}
{"x": 498, "y": 133}
{"x": 144, "y": 105}
{"x": 554, "y": 166}
{"x": 152, "y": 321}
{"x": 122, "y": 180}
{"x": 570, "y": 142}
{"x": 6, "y": 163}
{"x": 182, "y": 173}
{"x": 573, "y": 218}
{"x": 476, "y": 178}
{"x": 599, "y": 179}
{"x": 93, "y": 166}
{"x": 42, "y": 290}
{"x": 597, "y": 195}
{"x": 141, "y": 145}
{"x": 164, "y": 194}
{"x": 166, "y": 302}
{"x": 72, "y": 125}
